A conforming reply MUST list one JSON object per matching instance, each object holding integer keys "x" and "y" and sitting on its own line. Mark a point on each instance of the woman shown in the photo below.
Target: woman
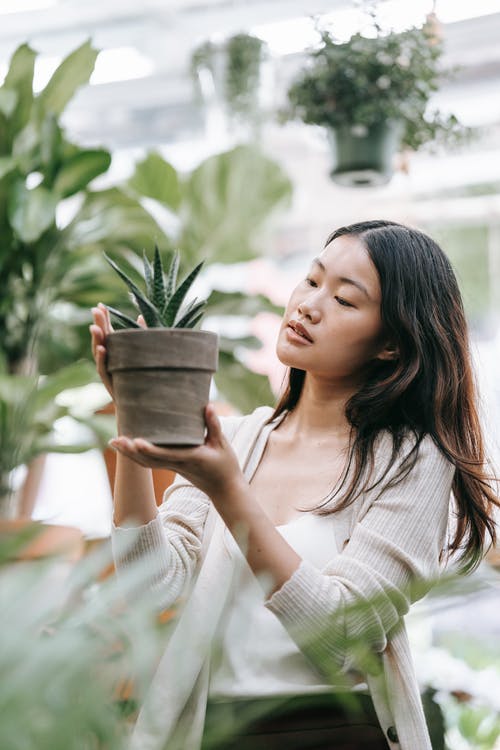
{"x": 331, "y": 511}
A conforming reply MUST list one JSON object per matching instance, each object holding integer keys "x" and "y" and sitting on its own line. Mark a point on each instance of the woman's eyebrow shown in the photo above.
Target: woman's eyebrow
{"x": 345, "y": 279}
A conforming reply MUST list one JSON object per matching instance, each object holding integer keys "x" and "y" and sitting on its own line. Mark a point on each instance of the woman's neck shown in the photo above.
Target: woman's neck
{"x": 320, "y": 411}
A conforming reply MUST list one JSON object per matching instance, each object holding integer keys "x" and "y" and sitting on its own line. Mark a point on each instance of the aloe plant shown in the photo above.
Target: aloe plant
{"x": 161, "y": 304}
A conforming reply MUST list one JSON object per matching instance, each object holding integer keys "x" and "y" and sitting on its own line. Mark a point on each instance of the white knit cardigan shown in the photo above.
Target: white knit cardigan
{"x": 387, "y": 540}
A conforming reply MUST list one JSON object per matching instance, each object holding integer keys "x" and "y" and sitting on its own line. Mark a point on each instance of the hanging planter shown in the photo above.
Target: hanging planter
{"x": 161, "y": 374}
{"x": 372, "y": 95}
{"x": 364, "y": 156}
{"x": 230, "y": 74}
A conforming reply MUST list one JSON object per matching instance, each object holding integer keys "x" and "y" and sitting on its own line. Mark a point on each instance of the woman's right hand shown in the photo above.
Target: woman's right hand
{"x": 99, "y": 330}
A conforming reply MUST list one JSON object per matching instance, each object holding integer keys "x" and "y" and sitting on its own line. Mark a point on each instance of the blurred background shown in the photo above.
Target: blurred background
{"x": 183, "y": 123}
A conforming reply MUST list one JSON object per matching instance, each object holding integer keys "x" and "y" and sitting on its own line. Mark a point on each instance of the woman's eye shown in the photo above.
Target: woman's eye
{"x": 343, "y": 302}
{"x": 310, "y": 282}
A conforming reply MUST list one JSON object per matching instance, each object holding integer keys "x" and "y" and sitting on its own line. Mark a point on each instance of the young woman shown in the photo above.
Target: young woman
{"x": 298, "y": 537}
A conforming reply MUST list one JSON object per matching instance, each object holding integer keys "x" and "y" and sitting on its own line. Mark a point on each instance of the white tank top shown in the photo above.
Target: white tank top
{"x": 255, "y": 655}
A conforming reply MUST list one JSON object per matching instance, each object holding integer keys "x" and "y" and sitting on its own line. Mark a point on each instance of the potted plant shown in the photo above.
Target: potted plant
{"x": 372, "y": 95}
{"x": 161, "y": 373}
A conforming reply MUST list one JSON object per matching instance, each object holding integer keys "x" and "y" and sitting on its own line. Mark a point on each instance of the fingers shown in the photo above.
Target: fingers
{"x": 214, "y": 429}
{"x": 99, "y": 330}
{"x": 102, "y": 318}
{"x": 146, "y": 453}
{"x": 141, "y": 321}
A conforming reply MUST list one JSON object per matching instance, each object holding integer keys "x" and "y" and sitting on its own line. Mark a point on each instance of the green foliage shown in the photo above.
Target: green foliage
{"x": 238, "y": 61}
{"x": 155, "y": 178}
{"x": 228, "y": 198}
{"x": 46, "y": 267}
{"x": 69, "y": 646}
{"x": 367, "y": 81}
{"x": 480, "y": 726}
{"x": 29, "y": 412}
{"x": 161, "y": 304}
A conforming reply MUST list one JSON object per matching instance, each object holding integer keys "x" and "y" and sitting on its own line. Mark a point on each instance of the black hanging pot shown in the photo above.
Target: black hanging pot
{"x": 363, "y": 156}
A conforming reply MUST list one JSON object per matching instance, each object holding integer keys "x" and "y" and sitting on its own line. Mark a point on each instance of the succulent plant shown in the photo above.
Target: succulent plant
{"x": 161, "y": 305}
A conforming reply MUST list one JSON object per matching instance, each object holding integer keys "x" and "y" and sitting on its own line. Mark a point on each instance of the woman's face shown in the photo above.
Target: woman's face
{"x": 338, "y": 306}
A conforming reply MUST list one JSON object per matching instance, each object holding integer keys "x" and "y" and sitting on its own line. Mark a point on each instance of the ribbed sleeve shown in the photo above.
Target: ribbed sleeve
{"x": 340, "y": 615}
{"x": 169, "y": 546}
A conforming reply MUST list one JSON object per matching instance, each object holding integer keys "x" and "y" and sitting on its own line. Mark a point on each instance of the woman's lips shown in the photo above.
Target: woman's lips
{"x": 297, "y": 332}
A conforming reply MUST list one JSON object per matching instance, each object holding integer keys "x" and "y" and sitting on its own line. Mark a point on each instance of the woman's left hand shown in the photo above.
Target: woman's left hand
{"x": 212, "y": 467}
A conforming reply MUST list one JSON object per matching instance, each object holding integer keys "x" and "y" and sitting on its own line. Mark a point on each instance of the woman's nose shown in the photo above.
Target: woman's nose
{"x": 309, "y": 311}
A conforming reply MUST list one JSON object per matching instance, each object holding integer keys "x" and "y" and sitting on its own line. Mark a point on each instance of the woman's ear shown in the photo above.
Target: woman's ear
{"x": 388, "y": 353}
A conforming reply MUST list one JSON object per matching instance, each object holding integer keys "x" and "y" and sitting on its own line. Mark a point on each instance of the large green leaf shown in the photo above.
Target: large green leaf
{"x": 227, "y": 201}
{"x": 7, "y": 165}
{"x": 240, "y": 386}
{"x": 31, "y": 212}
{"x": 51, "y": 140}
{"x": 19, "y": 78}
{"x": 156, "y": 178}
{"x": 110, "y": 218}
{"x": 74, "y": 71}
{"x": 8, "y": 101}
{"x": 25, "y": 143}
{"x": 239, "y": 303}
{"x": 78, "y": 171}
{"x": 72, "y": 376}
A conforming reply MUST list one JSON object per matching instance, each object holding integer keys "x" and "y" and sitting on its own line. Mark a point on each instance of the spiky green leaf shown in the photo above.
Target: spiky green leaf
{"x": 148, "y": 311}
{"x": 194, "y": 321}
{"x": 190, "y": 315}
{"x": 175, "y": 302}
{"x": 172, "y": 275}
{"x": 159, "y": 298}
{"x": 124, "y": 319}
{"x": 148, "y": 274}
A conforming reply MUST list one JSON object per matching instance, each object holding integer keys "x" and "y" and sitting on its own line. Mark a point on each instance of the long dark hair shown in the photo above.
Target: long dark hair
{"x": 428, "y": 390}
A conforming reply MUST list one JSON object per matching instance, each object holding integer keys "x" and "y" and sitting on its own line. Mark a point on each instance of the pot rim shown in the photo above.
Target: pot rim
{"x": 164, "y": 331}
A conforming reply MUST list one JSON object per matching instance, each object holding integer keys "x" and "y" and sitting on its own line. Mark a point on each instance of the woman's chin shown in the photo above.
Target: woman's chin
{"x": 287, "y": 357}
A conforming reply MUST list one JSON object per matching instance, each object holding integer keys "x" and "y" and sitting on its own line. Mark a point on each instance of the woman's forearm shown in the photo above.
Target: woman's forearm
{"x": 133, "y": 496}
{"x": 265, "y": 549}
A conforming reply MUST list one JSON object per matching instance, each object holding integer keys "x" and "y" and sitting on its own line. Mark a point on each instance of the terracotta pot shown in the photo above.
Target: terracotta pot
{"x": 364, "y": 159}
{"x": 161, "y": 382}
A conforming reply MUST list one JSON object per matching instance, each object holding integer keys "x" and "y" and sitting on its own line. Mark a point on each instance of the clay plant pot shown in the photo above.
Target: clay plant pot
{"x": 364, "y": 158}
{"x": 161, "y": 382}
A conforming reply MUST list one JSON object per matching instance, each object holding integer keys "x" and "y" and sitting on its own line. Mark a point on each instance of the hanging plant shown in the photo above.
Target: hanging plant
{"x": 235, "y": 68}
{"x": 372, "y": 95}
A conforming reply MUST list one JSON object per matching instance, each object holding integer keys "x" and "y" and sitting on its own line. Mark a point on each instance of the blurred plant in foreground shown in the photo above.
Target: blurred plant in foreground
{"x": 73, "y": 642}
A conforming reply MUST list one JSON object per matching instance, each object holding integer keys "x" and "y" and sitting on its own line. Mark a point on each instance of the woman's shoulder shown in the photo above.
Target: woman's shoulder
{"x": 410, "y": 454}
